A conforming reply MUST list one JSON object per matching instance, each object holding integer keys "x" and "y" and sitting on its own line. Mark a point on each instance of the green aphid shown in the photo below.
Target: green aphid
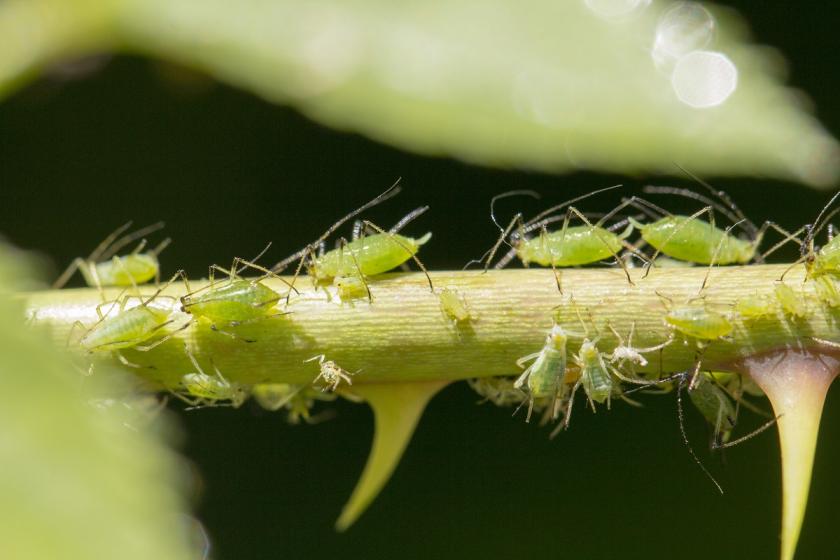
{"x": 827, "y": 291}
{"x": 232, "y": 302}
{"x": 104, "y": 268}
{"x": 297, "y": 400}
{"x": 792, "y": 303}
{"x": 129, "y": 328}
{"x": 569, "y": 246}
{"x": 699, "y": 322}
{"x": 367, "y": 256}
{"x": 690, "y": 239}
{"x": 756, "y": 306}
{"x": 454, "y": 306}
{"x": 595, "y": 377}
{"x": 204, "y": 390}
{"x": 545, "y": 377}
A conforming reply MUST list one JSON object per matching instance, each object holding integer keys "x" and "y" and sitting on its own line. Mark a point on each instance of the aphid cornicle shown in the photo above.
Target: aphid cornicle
{"x": 569, "y": 246}
{"x": 204, "y": 390}
{"x": 545, "y": 377}
{"x": 104, "y": 268}
{"x": 235, "y": 301}
{"x": 129, "y": 328}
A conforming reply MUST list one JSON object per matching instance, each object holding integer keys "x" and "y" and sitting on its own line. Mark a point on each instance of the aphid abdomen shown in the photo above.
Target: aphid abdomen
{"x": 578, "y": 245}
{"x": 128, "y": 328}
{"x": 698, "y": 322}
{"x": 236, "y": 301}
{"x": 128, "y": 270}
{"x": 370, "y": 255}
{"x": 696, "y": 241}
{"x": 547, "y": 374}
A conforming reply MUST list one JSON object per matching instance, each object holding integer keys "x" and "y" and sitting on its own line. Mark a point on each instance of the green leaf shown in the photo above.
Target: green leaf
{"x": 77, "y": 480}
{"x": 613, "y": 85}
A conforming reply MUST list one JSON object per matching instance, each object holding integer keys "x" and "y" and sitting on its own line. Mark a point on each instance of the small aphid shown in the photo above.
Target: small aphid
{"x": 545, "y": 377}
{"x": 566, "y": 247}
{"x": 104, "y": 268}
{"x": 755, "y": 306}
{"x": 129, "y": 328}
{"x": 792, "y": 304}
{"x": 331, "y": 373}
{"x": 235, "y": 301}
{"x": 298, "y": 400}
{"x": 454, "y": 306}
{"x": 823, "y": 260}
{"x": 625, "y": 352}
{"x": 351, "y": 287}
{"x": 594, "y": 375}
{"x": 206, "y": 390}
{"x": 501, "y": 391}
{"x": 827, "y": 291}
{"x": 699, "y": 322}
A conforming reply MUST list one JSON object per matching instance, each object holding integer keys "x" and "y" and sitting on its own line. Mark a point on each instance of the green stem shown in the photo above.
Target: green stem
{"x": 403, "y": 335}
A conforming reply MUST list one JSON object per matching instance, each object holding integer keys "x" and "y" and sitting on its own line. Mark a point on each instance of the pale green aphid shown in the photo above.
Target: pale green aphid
{"x": 792, "y": 303}
{"x": 454, "y": 306}
{"x": 545, "y": 377}
{"x": 351, "y": 287}
{"x": 129, "y": 328}
{"x": 232, "y": 302}
{"x": 755, "y": 306}
{"x": 207, "y": 390}
{"x": 330, "y": 373}
{"x": 827, "y": 291}
{"x": 699, "y": 322}
{"x": 566, "y": 247}
{"x": 502, "y": 391}
{"x": 104, "y": 268}
{"x": 298, "y": 400}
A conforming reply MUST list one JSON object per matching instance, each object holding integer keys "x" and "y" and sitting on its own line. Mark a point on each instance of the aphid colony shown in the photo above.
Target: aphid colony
{"x": 565, "y": 364}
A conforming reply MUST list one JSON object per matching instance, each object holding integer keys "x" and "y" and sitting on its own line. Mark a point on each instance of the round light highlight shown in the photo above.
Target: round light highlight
{"x": 704, "y": 79}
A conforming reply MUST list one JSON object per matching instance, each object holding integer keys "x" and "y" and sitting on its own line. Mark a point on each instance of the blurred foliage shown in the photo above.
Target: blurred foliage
{"x": 78, "y": 480}
{"x": 616, "y": 85}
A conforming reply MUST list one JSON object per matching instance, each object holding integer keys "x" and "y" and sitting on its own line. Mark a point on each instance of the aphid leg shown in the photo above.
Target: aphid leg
{"x": 215, "y": 328}
{"x": 158, "y": 342}
{"x": 77, "y": 264}
{"x": 114, "y": 247}
{"x": 399, "y": 243}
{"x": 681, "y": 418}
{"x": 750, "y": 435}
{"x": 788, "y": 237}
{"x": 517, "y": 219}
{"x": 266, "y": 274}
{"x": 715, "y": 255}
{"x": 343, "y": 245}
{"x": 676, "y": 230}
{"x": 578, "y": 214}
{"x": 124, "y": 361}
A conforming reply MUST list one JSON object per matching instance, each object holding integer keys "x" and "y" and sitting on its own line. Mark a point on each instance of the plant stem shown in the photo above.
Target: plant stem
{"x": 403, "y": 335}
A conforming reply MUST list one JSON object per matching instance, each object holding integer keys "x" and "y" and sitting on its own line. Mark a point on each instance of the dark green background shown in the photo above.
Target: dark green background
{"x": 228, "y": 172}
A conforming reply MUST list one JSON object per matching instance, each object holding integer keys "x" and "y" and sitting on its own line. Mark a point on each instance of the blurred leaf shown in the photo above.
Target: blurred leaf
{"x": 617, "y": 85}
{"x": 76, "y": 481}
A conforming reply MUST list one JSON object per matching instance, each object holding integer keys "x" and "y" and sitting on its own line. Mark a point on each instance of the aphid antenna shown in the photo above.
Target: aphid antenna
{"x": 721, "y": 195}
{"x": 506, "y": 232}
{"x": 157, "y": 293}
{"x": 110, "y": 250}
{"x": 647, "y": 207}
{"x": 819, "y": 223}
{"x": 159, "y": 248}
{"x": 553, "y": 209}
{"x": 681, "y": 418}
{"x": 389, "y": 193}
{"x": 236, "y": 261}
{"x": 408, "y": 218}
{"x": 519, "y": 192}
